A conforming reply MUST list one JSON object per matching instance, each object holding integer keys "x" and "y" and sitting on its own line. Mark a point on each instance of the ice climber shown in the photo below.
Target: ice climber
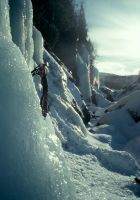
{"x": 41, "y": 71}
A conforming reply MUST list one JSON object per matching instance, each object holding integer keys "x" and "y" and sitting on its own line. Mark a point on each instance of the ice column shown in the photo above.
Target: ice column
{"x": 4, "y": 19}
{"x": 38, "y": 46}
{"x": 83, "y": 79}
{"x": 21, "y": 15}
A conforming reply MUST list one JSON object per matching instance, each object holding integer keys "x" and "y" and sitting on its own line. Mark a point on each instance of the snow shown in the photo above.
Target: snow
{"x": 132, "y": 146}
{"x": 78, "y": 103}
{"x": 76, "y": 93}
{"x": 130, "y": 102}
{"x": 124, "y": 114}
{"x": 119, "y": 117}
{"x": 101, "y": 172}
{"x": 123, "y": 118}
{"x": 108, "y": 93}
{"x": 114, "y": 81}
{"x": 72, "y": 130}
{"x": 93, "y": 181}
{"x": 99, "y": 100}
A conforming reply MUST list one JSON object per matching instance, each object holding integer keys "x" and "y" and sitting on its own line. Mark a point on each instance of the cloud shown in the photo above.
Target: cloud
{"x": 114, "y": 27}
{"x": 117, "y": 68}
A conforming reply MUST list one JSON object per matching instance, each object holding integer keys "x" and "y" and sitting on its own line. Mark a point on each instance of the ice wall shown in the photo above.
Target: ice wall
{"x": 70, "y": 127}
{"x": 4, "y": 19}
{"x": 96, "y": 81}
{"x": 84, "y": 54}
{"x": 94, "y": 77}
{"x": 38, "y": 46}
{"x": 21, "y": 27}
{"x": 83, "y": 79}
{"x": 32, "y": 162}
{"x": 29, "y": 47}
{"x": 38, "y": 58}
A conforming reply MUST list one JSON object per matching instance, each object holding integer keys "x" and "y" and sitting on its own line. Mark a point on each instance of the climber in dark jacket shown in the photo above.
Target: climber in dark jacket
{"x": 41, "y": 71}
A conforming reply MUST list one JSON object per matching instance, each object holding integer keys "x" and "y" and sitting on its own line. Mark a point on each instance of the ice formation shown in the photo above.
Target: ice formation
{"x": 38, "y": 46}
{"x": 94, "y": 77}
{"x": 83, "y": 79}
{"x": 21, "y": 15}
{"x": 32, "y": 161}
{"x": 69, "y": 123}
{"x": 4, "y": 19}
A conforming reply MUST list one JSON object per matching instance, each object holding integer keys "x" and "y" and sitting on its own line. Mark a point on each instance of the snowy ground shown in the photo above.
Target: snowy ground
{"x": 99, "y": 169}
{"x": 93, "y": 179}
{"x": 94, "y": 182}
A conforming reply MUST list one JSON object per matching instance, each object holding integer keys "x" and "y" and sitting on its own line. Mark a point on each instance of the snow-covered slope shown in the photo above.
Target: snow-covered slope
{"x": 94, "y": 181}
{"x": 114, "y": 81}
{"x": 99, "y": 99}
{"x": 124, "y": 116}
{"x": 129, "y": 103}
{"x": 69, "y": 123}
{"x": 72, "y": 132}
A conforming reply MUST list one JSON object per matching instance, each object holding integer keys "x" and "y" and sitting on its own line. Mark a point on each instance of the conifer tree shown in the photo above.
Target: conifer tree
{"x": 82, "y": 30}
{"x": 61, "y": 24}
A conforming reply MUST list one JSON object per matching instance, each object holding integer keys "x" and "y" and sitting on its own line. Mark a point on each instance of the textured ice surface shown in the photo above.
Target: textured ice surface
{"x": 83, "y": 79}
{"x": 65, "y": 117}
{"x": 101, "y": 101}
{"x": 4, "y": 19}
{"x": 21, "y": 27}
{"x": 32, "y": 164}
{"x": 38, "y": 46}
{"x": 29, "y": 47}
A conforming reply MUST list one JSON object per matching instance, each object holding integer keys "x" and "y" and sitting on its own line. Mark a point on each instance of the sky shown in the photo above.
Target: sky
{"x": 114, "y": 27}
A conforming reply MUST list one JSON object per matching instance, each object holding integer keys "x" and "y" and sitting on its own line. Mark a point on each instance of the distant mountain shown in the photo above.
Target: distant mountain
{"x": 114, "y": 81}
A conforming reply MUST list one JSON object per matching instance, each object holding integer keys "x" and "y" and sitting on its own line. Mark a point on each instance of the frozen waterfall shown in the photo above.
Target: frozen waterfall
{"x": 32, "y": 162}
